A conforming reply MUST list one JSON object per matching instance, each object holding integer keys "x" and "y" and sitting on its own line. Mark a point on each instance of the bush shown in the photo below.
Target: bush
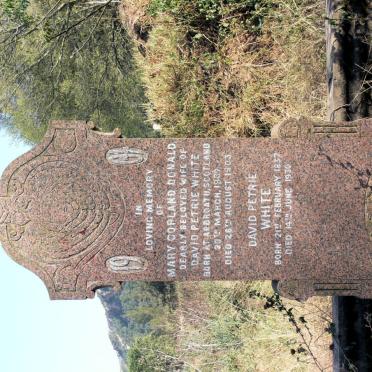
{"x": 150, "y": 353}
{"x": 213, "y": 12}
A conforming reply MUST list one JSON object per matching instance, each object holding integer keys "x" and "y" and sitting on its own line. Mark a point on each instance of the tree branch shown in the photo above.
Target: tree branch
{"x": 81, "y": 20}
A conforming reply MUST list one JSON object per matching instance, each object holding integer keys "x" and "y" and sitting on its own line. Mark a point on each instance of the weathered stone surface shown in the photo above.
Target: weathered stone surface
{"x": 83, "y": 210}
{"x": 305, "y": 128}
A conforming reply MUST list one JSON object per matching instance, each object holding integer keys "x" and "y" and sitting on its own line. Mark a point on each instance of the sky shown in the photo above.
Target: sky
{"x": 40, "y": 335}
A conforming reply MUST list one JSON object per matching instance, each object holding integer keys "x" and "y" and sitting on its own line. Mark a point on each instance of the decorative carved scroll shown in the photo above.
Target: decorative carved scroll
{"x": 305, "y": 128}
{"x": 126, "y": 156}
{"x": 126, "y": 264}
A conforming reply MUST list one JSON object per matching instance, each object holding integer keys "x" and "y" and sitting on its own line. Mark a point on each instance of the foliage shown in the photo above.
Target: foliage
{"x": 141, "y": 309}
{"x": 147, "y": 308}
{"x": 150, "y": 353}
{"x": 16, "y": 10}
{"x": 214, "y": 13}
{"x": 69, "y": 60}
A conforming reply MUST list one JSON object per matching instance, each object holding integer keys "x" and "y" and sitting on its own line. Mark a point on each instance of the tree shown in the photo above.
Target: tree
{"x": 67, "y": 60}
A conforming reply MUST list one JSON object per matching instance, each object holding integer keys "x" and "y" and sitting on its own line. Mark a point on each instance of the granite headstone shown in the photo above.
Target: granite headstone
{"x": 85, "y": 209}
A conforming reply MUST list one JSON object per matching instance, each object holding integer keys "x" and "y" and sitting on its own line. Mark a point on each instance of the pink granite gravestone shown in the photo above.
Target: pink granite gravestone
{"x": 84, "y": 209}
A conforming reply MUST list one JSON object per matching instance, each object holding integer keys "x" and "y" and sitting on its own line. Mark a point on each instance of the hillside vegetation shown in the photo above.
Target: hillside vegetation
{"x": 217, "y": 326}
{"x": 230, "y": 67}
{"x": 140, "y": 313}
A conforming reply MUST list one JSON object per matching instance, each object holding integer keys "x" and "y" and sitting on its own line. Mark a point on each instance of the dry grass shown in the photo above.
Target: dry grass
{"x": 238, "y": 84}
{"x": 133, "y": 14}
{"x": 222, "y": 328}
